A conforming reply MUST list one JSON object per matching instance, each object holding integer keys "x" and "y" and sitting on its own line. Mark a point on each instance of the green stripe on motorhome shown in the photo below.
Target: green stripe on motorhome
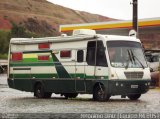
{"x": 61, "y": 71}
{"x": 20, "y": 64}
{"x": 32, "y": 60}
{"x": 54, "y": 75}
{"x": 33, "y": 76}
{"x": 25, "y": 60}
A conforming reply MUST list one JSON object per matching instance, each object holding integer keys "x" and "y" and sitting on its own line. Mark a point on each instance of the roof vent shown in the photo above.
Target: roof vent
{"x": 84, "y": 32}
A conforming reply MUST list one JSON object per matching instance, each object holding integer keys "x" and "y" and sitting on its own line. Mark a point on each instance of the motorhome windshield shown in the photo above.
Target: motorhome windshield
{"x": 126, "y": 54}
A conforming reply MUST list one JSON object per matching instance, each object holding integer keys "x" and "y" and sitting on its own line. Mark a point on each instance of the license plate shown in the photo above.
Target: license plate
{"x": 134, "y": 86}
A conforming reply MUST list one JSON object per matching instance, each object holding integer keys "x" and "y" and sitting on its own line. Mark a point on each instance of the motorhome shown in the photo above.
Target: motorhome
{"x": 83, "y": 63}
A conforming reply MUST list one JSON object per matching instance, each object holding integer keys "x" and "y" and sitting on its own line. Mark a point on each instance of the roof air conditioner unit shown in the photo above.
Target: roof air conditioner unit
{"x": 84, "y": 32}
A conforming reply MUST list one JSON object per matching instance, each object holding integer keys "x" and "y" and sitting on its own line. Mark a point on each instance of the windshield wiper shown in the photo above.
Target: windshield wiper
{"x": 129, "y": 59}
{"x": 134, "y": 57}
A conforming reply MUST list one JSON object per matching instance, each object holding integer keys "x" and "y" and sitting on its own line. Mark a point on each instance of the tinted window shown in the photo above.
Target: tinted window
{"x": 96, "y": 57}
{"x": 80, "y": 55}
{"x": 91, "y": 53}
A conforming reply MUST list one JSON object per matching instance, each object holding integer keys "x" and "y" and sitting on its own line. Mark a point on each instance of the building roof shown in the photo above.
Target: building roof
{"x": 110, "y": 25}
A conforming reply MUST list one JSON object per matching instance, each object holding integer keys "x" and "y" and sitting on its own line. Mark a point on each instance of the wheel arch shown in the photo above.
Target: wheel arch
{"x": 101, "y": 85}
{"x": 104, "y": 83}
{"x": 97, "y": 84}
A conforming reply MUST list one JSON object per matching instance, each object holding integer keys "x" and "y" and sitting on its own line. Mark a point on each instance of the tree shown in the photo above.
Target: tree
{"x": 18, "y": 31}
{"x": 4, "y": 41}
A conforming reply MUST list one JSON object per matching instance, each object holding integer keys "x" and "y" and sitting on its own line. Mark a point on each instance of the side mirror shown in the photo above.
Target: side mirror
{"x": 80, "y": 55}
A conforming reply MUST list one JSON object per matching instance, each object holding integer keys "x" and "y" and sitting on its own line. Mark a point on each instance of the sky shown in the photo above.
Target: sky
{"x": 118, "y": 9}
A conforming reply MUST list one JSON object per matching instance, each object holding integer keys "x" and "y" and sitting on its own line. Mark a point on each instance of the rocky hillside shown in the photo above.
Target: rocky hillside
{"x": 41, "y": 16}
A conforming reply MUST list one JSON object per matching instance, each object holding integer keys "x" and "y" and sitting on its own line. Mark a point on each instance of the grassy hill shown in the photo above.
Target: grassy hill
{"x": 36, "y": 18}
{"x": 41, "y": 16}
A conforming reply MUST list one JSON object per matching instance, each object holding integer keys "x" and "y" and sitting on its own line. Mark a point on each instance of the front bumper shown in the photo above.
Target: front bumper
{"x": 126, "y": 87}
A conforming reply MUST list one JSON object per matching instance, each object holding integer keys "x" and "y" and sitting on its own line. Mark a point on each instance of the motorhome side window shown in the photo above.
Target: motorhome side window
{"x": 100, "y": 59}
{"x": 80, "y": 55}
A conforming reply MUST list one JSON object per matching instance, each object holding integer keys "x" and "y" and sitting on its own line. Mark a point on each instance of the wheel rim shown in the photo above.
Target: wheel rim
{"x": 100, "y": 94}
{"x": 38, "y": 91}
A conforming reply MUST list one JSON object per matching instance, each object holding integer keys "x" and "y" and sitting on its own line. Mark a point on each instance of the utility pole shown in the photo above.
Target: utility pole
{"x": 135, "y": 16}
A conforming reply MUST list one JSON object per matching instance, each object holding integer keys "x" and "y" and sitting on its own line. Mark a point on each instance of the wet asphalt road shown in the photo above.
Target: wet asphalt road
{"x": 14, "y": 101}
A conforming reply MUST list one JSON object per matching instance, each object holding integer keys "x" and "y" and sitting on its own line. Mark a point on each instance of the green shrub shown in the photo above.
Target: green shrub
{"x": 3, "y": 56}
{"x": 17, "y": 31}
{"x": 5, "y": 37}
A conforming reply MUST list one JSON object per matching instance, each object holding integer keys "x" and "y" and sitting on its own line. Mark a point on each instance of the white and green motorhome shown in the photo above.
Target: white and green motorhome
{"x": 84, "y": 63}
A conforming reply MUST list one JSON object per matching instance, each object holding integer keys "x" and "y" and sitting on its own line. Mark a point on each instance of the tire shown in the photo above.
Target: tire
{"x": 40, "y": 93}
{"x": 73, "y": 95}
{"x": 66, "y": 96}
{"x": 134, "y": 96}
{"x": 100, "y": 94}
{"x": 47, "y": 95}
{"x": 70, "y": 95}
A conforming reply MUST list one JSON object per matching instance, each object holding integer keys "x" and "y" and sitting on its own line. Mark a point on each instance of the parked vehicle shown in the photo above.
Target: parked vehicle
{"x": 153, "y": 58}
{"x": 155, "y": 79}
{"x": 86, "y": 63}
{"x": 3, "y": 66}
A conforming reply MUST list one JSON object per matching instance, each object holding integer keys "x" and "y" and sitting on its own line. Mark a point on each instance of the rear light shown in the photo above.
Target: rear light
{"x": 43, "y": 57}
{"x": 65, "y": 54}
{"x": 18, "y": 56}
{"x": 44, "y": 46}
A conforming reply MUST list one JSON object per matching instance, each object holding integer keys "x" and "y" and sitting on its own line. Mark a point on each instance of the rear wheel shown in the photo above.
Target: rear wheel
{"x": 100, "y": 94}
{"x": 134, "y": 96}
{"x": 47, "y": 95}
{"x": 40, "y": 93}
{"x": 70, "y": 95}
